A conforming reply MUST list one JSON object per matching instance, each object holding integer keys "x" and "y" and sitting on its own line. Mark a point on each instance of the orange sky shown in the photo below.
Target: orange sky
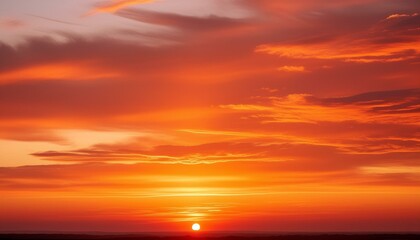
{"x": 258, "y": 115}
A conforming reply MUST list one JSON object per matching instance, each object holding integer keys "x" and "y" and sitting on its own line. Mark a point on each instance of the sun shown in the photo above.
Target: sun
{"x": 195, "y": 227}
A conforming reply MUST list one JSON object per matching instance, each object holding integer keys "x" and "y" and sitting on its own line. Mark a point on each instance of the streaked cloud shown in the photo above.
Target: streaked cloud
{"x": 403, "y": 15}
{"x": 114, "y": 5}
{"x": 55, "y": 71}
{"x": 339, "y": 50}
{"x": 291, "y": 68}
{"x": 376, "y": 44}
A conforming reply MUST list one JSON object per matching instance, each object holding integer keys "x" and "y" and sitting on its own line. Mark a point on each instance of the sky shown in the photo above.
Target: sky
{"x": 241, "y": 115}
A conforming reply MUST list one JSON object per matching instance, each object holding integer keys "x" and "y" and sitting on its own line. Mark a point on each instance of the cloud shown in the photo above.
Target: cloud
{"x": 397, "y": 15}
{"x": 394, "y": 110}
{"x": 291, "y": 68}
{"x": 56, "y": 71}
{"x": 182, "y": 22}
{"x": 55, "y": 20}
{"x": 19, "y": 133}
{"x": 399, "y": 106}
{"x": 135, "y": 152}
{"x": 112, "y": 6}
{"x": 271, "y": 136}
{"x": 359, "y": 52}
{"x": 395, "y": 39}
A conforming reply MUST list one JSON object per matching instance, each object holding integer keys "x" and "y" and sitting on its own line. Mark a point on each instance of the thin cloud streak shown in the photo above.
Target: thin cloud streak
{"x": 114, "y": 5}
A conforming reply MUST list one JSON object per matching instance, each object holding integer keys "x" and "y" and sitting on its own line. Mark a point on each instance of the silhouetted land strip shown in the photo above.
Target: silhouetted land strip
{"x": 209, "y": 237}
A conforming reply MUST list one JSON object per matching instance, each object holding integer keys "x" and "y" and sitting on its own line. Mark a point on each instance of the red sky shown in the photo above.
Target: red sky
{"x": 134, "y": 115}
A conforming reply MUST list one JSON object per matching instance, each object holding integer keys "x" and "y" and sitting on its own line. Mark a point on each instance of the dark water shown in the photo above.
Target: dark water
{"x": 210, "y": 237}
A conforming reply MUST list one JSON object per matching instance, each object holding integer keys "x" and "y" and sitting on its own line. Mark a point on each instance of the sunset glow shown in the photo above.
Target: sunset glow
{"x": 239, "y": 115}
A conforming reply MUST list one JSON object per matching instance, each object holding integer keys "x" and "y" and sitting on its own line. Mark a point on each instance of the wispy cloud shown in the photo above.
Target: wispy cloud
{"x": 112, "y": 6}
{"x": 403, "y": 15}
{"x": 386, "y": 41}
{"x": 291, "y": 68}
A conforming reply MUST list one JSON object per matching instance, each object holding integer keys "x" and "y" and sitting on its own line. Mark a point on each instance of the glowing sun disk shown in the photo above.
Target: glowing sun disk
{"x": 195, "y": 227}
